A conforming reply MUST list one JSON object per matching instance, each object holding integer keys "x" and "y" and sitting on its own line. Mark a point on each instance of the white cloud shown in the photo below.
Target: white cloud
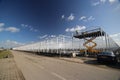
{"x": 10, "y": 44}
{"x": 1, "y": 29}
{"x": 46, "y": 36}
{"x": 67, "y": 30}
{"x": 2, "y": 24}
{"x": 52, "y": 36}
{"x": 14, "y": 42}
{"x": 103, "y": 1}
{"x": 116, "y": 38}
{"x": 22, "y": 25}
{"x": 95, "y": 3}
{"x": 77, "y": 28}
{"x": 115, "y": 35}
{"x": 113, "y": 1}
{"x": 35, "y": 30}
{"x": 42, "y": 37}
{"x": 63, "y": 16}
{"x": 12, "y": 29}
{"x": 91, "y": 18}
{"x": 85, "y": 19}
{"x": 71, "y": 17}
{"x": 26, "y": 25}
{"x": 82, "y": 18}
{"x": 72, "y": 29}
{"x": 29, "y": 27}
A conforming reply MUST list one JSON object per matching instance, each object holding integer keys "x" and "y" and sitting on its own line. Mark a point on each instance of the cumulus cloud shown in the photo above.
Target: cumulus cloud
{"x": 63, "y": 16}
{"x": 76, "y": 28}
{"x": 82, "y": 18}
{"x": 14, "y": 42}
{"x": 113, "y": 1}
{"x": 115, "y": 35}
{"x": 52, "y": 35}
{"x": 98, "y": 2}
{"x": 42, "y": 37}
{"x": 29, "y": 27}
{"x": 95, "y": 3}
{"x": 116, "y": 38}
{"x": 2, "y": 24}
{"x": 71, "y": 17}
{"x": 12, "y": 29}
{"x": 35, "y": 30}
{"x": 10, "y": 44}
{"x": 22, "y": 25}
{"x": 85, "y": 18}
{"x": 91, "y": 18}
{"x": 103, "y": 2}
{"x": 47, "y": 36}
{"x": 1, "y": 29}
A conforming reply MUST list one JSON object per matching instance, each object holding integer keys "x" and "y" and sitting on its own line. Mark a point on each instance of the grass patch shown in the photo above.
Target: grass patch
{"x": 5, "y": 54}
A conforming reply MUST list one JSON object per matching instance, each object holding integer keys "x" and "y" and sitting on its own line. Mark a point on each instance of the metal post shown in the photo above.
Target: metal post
{"x": 106, "y": 41}
{"x": 72, "y": 44}
{"x": 64, "y": 45}
{"x": 57, "y": 45}
{"x": 102, "y": 36}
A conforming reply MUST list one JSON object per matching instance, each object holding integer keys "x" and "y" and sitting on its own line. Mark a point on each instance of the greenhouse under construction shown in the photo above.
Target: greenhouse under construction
{"x": 92, "y": 41}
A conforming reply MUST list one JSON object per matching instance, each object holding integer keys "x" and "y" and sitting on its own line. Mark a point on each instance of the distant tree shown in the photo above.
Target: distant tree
{"x": 1, "y": 47}
{"x": 11, "y": 48}
{"x": 76, "y": 32}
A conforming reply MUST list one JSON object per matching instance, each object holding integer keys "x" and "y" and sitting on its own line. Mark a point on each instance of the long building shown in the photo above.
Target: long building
{"x": 69, "y": 44}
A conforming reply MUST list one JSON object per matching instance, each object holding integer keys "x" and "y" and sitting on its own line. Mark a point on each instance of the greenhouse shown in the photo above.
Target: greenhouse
{"x": 95, "y": 39}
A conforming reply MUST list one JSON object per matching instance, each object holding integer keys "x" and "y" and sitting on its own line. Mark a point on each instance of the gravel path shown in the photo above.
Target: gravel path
{"x": 9, "y": 70}
{"x": 36, "y": 67}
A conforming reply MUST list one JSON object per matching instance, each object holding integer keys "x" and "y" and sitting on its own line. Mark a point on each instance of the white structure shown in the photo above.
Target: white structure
{"x": 66, "y": 44}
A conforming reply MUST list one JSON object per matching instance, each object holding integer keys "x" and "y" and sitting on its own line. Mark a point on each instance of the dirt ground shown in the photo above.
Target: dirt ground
{"x": 9, "y": 70}
{"x": 36, "y": 67}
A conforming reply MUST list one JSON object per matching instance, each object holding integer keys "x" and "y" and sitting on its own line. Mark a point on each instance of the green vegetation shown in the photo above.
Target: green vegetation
{"x": 5, "y": 54}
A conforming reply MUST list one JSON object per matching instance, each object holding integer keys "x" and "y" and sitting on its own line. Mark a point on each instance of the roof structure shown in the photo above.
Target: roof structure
{"x": 91, "y": 33}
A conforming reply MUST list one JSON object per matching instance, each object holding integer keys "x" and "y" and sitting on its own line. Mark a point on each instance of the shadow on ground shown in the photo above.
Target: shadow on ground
{"x": 86, "y": 60}
{"x": 103, "y": 64}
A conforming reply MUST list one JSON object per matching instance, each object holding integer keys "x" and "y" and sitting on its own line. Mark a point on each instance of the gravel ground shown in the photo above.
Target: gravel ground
{"x": 36, "y": 67}
{"x": 9, "y": 70}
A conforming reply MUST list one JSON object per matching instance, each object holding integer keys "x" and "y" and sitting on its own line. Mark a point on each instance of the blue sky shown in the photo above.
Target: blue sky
{"x": 25, "y": 21}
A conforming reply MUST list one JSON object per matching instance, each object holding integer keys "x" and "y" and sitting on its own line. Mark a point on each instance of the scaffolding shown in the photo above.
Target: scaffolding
{"x": 89, "y": 37}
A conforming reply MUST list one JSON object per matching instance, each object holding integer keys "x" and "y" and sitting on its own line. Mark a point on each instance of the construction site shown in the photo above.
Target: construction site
{"x": 76, "y": 57}
{"x": 87, "y": 42}
{"x": 59, "y": 39}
